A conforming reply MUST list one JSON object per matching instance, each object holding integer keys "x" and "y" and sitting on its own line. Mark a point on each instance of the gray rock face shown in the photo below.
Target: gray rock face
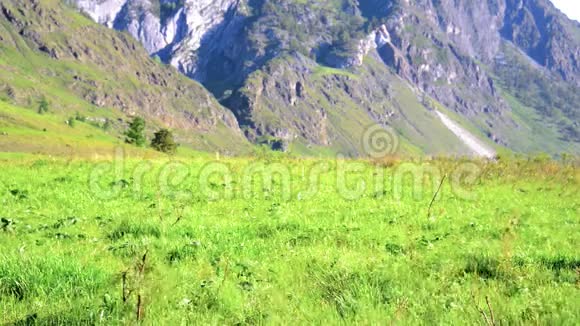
{"x": 103, "y": 12}
{"x": 189, "y": 34}
{"x": 535, "y": 26}
{"x": 437, "y": 51}
{"x": 545, "y": 35}
{"x": 172, "y": 29}
{"x": 451, "y": 50}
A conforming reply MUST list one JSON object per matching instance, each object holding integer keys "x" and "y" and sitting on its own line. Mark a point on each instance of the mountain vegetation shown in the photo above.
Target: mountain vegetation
{"x": 163, "y": 141}
{"x": 58, "y": 62}
{"x": 313, "y": 74}
{"x": 253, "y": 162}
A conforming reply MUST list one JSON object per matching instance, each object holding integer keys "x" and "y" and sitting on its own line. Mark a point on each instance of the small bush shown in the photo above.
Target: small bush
{"x": 135, "y": 135}
{"x": 43, "y": 106}
{"x": 80, "y": 117}
{"x": 163, "y": 141}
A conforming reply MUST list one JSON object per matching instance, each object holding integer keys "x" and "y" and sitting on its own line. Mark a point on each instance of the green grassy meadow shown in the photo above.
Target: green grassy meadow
{"x": 95, "y": 231}
{"x": 206, "y": 241}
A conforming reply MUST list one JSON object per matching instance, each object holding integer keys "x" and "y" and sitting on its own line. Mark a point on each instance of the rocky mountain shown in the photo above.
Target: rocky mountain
{"x": 315, "y": 74}
{"x": 49, "y": 51}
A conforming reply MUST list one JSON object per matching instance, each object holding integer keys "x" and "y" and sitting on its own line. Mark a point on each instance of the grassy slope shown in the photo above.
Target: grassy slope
{"x": 25, "y": 131}
{"x": 541, "y": 106}
{"x": 535, "y": 132}
{"x": 107, "y": 71}
{"x": 263, "y": 259}
{"x": 352, "y": 101}
{"x": 544, "y": 107}
{"x": 103, "y": 74}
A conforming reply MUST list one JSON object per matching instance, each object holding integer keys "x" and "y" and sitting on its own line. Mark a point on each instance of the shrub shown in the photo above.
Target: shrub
{"x": 163, "y": 141}
{"x": 106, "y": 125}
{"x": 136, "y": 133}
{"x": 80, "y": 117}
{"x": 43, "y": 106}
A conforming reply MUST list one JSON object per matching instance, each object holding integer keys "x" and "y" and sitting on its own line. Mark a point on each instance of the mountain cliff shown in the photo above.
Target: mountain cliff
{"x": 51, "y": 53}
{"x": 315, "y": 74}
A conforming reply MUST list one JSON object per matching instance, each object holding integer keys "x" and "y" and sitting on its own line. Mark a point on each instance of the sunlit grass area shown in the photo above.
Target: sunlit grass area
{"x": 203, "y": 241}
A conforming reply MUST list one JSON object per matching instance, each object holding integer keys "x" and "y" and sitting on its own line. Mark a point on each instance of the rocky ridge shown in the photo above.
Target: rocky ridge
{"x": 453, "y": 52}
{"x": 79, "y": 65}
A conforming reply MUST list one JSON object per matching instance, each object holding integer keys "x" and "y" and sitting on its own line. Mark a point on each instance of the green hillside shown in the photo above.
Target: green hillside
{"x": 335, "y": 107}
{"x": 51, "y": 53}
